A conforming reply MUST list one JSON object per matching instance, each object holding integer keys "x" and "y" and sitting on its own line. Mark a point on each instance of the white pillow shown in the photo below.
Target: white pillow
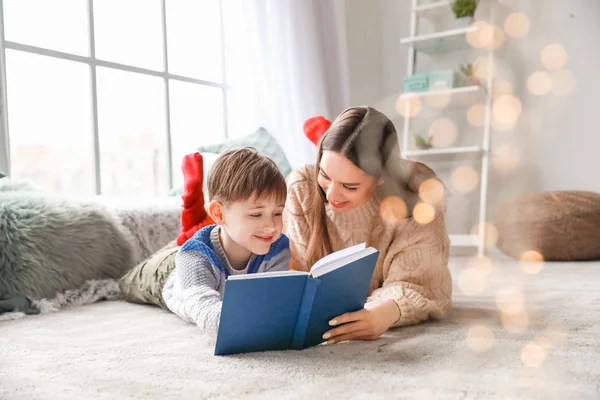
{"x": 208, "y": 160}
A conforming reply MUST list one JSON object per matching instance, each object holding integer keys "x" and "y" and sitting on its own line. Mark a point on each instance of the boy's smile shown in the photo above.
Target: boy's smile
{"x": 266, "y": 239}
{"x": 249, "y": 227}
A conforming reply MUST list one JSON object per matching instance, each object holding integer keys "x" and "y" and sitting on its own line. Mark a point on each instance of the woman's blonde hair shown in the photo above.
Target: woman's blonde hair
{"x": 369, "y": 140}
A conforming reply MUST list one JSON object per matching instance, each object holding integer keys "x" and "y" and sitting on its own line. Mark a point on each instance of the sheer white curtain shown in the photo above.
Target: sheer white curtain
{"x": 286, "y": 62}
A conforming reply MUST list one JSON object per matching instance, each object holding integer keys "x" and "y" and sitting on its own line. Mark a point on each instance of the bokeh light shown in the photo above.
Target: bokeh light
{"x": 515, "y": 323}
{"x": 531, "y": 262}
{"x": 481, "y": 263}
{"x": 502, "y": 127}
{"x": 482, "y": 36}
{"x": 510, "y": 300}
{"x": 480, "y": 338}
{"x": 563, "y": 82}
{"x": 443, "y": 132}
{"x": 393, "y": 210}
{"x": 438, "y": 100}
{"x": 516, "y": 25}
{"x": 432, "y": 191}
{"x": 476, "y": 115}
{"x": 554, "y": 56}
{"x": 424, "y": 213}
{"x": 408, "y": 105}
{"x": 507, "y": 109}
{"x": 539, "y": 83}
{"x": 506, "y": 159}
{"x": 491, "y": 234}
{"x": 465, "y": 179}
{"x": 481, "y": 66}
{"x": 498, "y": 37}
{"x": 543, "y": 342}
{"x": 531, "y": 268}
{"x": 472, "y": 281}
{"x": 501, "y": 87}
{"x": 533, "y": 355}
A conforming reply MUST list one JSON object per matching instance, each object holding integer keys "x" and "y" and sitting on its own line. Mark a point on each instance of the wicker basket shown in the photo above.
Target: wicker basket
{"x": 562, "y": 226}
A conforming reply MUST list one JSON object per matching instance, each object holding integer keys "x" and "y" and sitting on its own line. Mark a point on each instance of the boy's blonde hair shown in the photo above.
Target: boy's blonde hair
{"x": 241, "y": 174}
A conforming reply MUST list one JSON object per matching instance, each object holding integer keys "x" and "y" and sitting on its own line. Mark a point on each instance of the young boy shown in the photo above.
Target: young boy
{"x": 247, "y": 195}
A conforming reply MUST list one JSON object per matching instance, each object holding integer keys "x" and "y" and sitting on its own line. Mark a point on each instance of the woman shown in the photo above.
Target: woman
{"x": 361, "y": 190}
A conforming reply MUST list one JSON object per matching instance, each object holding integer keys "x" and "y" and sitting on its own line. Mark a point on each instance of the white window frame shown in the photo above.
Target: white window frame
{"x": 93, "y": 63}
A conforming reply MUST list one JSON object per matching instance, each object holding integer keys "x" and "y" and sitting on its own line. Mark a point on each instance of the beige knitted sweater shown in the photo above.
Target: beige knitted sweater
{"x": 412, "y": 268}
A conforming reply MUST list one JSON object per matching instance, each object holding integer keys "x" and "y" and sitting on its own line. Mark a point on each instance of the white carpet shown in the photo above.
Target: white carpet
{"x": 115, "y": 350}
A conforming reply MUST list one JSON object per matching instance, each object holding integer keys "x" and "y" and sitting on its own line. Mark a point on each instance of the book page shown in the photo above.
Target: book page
{"x": 341, "y": 262}
{"x": 348, "y": 251}
{"x": 266, "y": 275}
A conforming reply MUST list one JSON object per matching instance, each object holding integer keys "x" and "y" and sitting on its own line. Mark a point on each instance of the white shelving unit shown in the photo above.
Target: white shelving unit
{"x": 442, "y": 150}
{"x": 433, "y": 6}
{"x": 443, "y": 42}
{"x": 438, "y": 42}
{"x": 441, "y": 92}
{"x": 459, "y": 97}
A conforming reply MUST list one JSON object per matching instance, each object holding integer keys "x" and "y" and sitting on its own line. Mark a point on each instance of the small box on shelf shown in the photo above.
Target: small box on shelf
{"x": 435, "y": 81}
{"x": 416, "y": 83}
{"x": 444, "y": 79}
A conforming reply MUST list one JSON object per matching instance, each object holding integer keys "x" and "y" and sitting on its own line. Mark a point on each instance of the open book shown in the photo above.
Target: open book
{"x": 292, "y": 309}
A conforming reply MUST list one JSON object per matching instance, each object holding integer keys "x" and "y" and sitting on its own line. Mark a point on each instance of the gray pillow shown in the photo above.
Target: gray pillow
{"x": 262, "y": 141}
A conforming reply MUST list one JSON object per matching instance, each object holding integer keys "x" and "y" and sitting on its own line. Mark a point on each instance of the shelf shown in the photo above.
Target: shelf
{"x": 464, "y": 240}
{"x": 432, "y": 6}
{"x": 461, "y": 97}
{"x": 439, "y": 42}
{"x": 444, "y": 92}
{"x": 442, "y": 150}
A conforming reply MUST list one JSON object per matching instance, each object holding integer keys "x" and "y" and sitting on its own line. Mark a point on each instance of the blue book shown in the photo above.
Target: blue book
{"x": 291, "y": 309}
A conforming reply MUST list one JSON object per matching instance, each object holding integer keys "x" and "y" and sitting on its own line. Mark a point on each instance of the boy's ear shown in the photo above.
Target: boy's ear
{"x": 215, "y": 210}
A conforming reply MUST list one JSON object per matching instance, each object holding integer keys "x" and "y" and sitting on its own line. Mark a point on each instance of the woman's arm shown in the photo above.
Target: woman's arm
{"x": 419, "y": 282}
{"x": 416, "y": 286}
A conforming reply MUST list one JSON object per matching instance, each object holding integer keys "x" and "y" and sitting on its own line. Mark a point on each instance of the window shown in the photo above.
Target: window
{"x": 107, "y": 96}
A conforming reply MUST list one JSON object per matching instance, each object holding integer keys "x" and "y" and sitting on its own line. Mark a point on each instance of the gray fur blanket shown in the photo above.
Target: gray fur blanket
{"x": 90, "y": 292}
{"x": 50, "y": 244}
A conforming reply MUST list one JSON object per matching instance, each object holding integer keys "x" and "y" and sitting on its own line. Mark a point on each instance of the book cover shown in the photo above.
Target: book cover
{"x": 292, "y": 309}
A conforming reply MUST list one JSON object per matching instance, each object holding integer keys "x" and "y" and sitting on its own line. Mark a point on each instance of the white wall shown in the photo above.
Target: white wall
{"x": 567, "y": 150}
{"x": 364, "y": 48}
{"x": 563, "y": 153}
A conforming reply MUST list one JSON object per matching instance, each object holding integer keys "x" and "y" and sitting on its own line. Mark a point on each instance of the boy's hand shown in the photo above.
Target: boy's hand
{"x": 366, "y": 324}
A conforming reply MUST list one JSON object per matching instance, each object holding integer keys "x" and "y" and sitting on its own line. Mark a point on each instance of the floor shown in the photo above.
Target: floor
{"x": 516, "y": 331}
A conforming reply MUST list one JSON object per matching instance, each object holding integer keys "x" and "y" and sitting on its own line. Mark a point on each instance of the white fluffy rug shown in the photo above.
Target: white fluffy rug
{"x": 116, "y": 350}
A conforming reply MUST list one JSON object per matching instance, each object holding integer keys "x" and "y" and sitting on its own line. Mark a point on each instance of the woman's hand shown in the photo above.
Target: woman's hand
{"x": 367, "y": 324}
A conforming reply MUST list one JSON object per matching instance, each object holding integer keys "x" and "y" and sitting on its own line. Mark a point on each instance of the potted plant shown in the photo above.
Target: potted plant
{"x": 464, "y": 11}
{"x": 468, "y": 75}
{"x": 421, "y": 143}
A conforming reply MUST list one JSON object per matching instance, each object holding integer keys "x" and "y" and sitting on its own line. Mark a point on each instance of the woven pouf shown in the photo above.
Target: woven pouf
{"x": 562, "y": 226}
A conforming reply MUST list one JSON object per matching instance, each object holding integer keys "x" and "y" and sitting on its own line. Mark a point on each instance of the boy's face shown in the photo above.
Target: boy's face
{"x": 254, "y": 224}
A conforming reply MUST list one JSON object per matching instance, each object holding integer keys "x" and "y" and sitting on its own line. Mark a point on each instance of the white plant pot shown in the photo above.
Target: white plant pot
{"x": 464, "y": 22}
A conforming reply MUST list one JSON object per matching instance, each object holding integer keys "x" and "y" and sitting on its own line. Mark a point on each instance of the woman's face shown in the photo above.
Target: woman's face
{"x": 345, "y": 185}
